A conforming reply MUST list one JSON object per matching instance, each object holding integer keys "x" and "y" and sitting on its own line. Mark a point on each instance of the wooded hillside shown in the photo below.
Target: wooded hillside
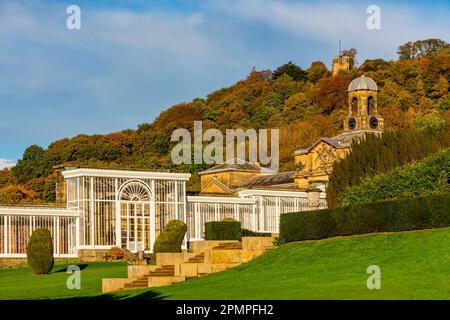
{"x": 304, "y": 104}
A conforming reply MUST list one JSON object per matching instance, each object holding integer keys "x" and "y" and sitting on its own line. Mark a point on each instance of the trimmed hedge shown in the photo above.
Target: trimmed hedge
{"x": 250, "y": 233}
{"x": 171, "y": 238}
{"x": 223, "y": 230}
{"x": 384, "y": 216}
{"x": 40, "y": 251}
{"x": 427, "y": 177}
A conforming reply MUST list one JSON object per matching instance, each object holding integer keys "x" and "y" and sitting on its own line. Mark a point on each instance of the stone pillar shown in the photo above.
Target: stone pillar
{"x": 313, "y": 198}
{"x": 61, "y": 195}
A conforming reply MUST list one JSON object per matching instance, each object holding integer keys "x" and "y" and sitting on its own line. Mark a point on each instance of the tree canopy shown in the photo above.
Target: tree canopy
{"x": 304, "y": 104}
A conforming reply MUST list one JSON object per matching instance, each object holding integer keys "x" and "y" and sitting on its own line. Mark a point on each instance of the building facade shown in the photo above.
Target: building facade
{"x": 104, "y": 208}
{"x": 314, "y": 164}
{"x": 107, "y": 208}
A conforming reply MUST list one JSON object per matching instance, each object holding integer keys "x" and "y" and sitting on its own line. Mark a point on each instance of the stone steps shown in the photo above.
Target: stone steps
{"x": 200, "y": 258}
{"x": 208, "y": 257}
{"x": 167, "y": 271}
{"x": 228, "y": 246}
{"x": 164, "y": 271}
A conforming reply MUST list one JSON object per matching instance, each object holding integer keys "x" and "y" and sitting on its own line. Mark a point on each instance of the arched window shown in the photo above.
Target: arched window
{"x": 135, "y": 191}
{"x": 354, "y": 106}
{"x": 370, "y": 106}
{"x": 135, "y": 219}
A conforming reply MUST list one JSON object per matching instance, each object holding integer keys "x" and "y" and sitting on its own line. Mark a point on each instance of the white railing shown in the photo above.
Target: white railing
{"x": 256, "y": 212}
{"x": 18, "y": 223}
{"x": 205, "y": 209}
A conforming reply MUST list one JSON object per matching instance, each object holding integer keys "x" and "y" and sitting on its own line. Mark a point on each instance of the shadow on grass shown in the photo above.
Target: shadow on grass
{"x": 82, "y": 266}
{"x": 129, "y": 295}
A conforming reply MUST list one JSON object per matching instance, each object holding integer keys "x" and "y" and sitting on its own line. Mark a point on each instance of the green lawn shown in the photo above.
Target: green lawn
{"x": 414, "y": 265}
{"x": 20, "y": 283}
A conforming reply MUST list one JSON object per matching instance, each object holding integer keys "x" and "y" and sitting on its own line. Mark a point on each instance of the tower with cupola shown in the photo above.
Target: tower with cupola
{"x": 363, "y": 106}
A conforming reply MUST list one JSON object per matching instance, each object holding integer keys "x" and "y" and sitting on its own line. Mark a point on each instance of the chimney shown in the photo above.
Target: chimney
{"x": 60, "y": 187}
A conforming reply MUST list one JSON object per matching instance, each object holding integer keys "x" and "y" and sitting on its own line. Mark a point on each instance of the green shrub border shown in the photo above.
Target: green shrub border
{"x": 223, "y": 230}
{"x": 382, "y": 216}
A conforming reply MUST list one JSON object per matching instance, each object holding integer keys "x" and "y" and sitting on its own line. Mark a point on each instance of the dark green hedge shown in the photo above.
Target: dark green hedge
{"x": 223, "y": 230}
{"x": 250, "y": 233}
{"x": 384, "y": 216}
{"x": 171, "y": 238}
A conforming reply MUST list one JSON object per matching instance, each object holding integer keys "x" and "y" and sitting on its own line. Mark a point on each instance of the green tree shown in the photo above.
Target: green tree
{"x": 285, "y": 86}
{"x": 299, "y": 106}
{"x": 421, "y": 48}
{"x": 316, "y": 71}
{"x": 428, "y": 121}
{"x": 292, "y": 70}
{"x": 381, "y": 154}
{"x": 32, "y": 165}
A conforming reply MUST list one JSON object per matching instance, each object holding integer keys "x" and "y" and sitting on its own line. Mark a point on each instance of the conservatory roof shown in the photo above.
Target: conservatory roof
{"x": 121, "y": 173}
{"x": 237, "y": 165}
{"x": 270, "y": 180}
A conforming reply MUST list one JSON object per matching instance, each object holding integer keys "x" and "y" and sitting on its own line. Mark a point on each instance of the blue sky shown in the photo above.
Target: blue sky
{"x": 133, "y": 59}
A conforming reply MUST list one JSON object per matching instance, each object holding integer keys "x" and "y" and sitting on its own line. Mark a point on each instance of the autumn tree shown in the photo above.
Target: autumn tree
{"x": 352, "y": 54}
{"x": 299, "y": 106}
{"x": 316, "y": 71}
{"x": 18, "y": 194}
{"x": 6, "y": 177}
{"x": 333, "y": 92}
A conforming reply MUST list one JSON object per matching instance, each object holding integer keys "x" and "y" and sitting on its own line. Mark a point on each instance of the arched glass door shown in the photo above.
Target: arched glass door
{"x": 135, "y": 216}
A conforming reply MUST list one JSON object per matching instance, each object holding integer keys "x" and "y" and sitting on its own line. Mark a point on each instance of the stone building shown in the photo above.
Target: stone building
{"x": 341, "y": 63}
{"x": 314, "y": 164}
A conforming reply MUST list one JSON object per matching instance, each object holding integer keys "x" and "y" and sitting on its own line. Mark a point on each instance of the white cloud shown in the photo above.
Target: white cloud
{"x": 328, "y": 22}
{"x": 121, "y": 69}
{"x": 7, "y": 163}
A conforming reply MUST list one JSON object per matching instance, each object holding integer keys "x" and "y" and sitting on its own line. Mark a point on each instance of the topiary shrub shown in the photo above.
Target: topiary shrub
{"x": 171, "y": 238}
{"x": 223, "y": 230}
{"x": 40, "y": 251}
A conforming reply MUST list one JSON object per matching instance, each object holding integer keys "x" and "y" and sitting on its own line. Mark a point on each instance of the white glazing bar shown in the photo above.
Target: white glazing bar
{"x": 153, "y": 216}
{"x": 58, "y": 240}
{"x": 177, "y": 216}
{"x": 78, "y": 193}
{"x": 196, "y": 221}
{"x": 274, "y": 226}
{"x": 30, "y": 225}
{"x": 254, "y": 217}
{"x": 77, "y": 232}
{"x": 91, "y": 213}
{"x": 5, "y": 230}
{"x": 54, "y": 232}
{"x": 117, "y": 207}
{"x": 261, "y": 215}
{"x": 128, "y": 225}
{"x": 185, "y": 209}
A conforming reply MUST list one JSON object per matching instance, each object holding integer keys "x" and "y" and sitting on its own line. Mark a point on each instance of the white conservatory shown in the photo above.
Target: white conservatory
{"x": 107, "y": 208}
